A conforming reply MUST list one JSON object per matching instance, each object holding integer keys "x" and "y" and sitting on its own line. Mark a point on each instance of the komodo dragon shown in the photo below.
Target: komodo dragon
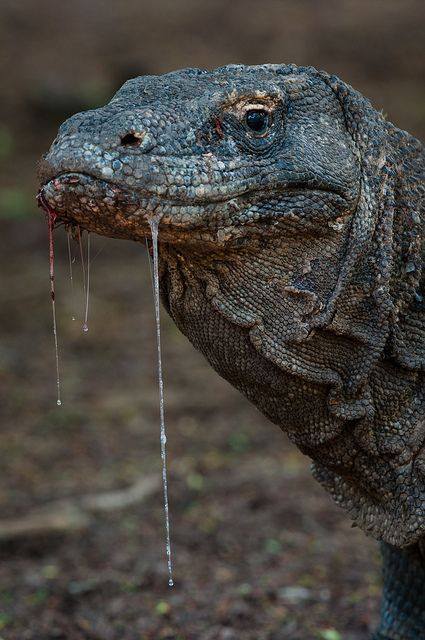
{"x": 291, "y": 252}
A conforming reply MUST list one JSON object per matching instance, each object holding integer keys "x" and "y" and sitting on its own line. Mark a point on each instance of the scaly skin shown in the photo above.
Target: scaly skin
{"x": 291, "y": 256}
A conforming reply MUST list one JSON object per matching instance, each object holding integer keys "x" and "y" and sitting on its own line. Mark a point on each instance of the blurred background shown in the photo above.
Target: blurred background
{"x": 260, "y": 551}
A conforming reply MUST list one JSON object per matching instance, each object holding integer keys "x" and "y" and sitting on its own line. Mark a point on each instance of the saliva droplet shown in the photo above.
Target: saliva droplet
{"x": 171, "y": 582}
{"x": 59, "y": 402}
{"x": 85, "y": 327}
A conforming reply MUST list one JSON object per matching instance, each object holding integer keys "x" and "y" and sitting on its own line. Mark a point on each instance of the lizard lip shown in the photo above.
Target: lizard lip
{"x": 68, "y": 180}
{"x": 154, "y": 192}
{"x": 107, "y": 208}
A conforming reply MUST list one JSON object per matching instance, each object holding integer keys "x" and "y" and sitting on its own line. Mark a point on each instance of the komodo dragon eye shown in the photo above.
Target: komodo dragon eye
{"x": 257, "y": 120}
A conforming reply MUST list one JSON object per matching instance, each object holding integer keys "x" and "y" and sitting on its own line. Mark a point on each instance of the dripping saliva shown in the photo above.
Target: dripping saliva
{"x": 51, "y": 219}
{"x": 154, "y": 223}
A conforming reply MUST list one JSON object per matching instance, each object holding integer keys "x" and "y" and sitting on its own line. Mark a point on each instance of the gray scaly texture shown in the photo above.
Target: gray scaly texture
{"x": 291, "y": 243}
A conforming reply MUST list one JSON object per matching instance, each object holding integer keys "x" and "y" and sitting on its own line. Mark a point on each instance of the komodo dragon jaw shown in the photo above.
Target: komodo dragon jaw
{"x": 291, "y": 233}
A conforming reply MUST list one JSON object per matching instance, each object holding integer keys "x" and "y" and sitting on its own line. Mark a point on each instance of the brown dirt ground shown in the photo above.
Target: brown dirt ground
{"x": 260, "y": 551}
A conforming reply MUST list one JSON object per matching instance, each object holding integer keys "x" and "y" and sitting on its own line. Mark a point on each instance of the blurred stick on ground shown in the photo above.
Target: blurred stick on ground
{"x": 62, "y": 516}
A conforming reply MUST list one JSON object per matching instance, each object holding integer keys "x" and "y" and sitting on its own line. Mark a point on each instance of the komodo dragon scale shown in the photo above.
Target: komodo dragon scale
{"x": 291, "y": 254}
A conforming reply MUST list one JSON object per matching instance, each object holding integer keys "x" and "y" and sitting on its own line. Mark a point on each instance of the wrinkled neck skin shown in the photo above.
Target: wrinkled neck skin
{"x": 311, "y": 344}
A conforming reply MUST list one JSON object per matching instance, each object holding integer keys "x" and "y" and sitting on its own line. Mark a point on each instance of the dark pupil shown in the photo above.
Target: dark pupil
{"x": 257, "y": 120}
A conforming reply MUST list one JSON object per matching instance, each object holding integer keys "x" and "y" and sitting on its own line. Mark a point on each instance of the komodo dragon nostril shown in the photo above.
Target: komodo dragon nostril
{"x": 142, "y": 140}
{"x": 133, "y": 139}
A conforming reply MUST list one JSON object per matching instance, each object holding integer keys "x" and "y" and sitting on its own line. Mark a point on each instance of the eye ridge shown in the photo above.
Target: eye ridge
{"x": 257, "y": 120}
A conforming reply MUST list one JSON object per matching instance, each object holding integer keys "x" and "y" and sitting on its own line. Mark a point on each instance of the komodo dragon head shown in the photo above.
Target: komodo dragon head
{"x": 290, "y": 255}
